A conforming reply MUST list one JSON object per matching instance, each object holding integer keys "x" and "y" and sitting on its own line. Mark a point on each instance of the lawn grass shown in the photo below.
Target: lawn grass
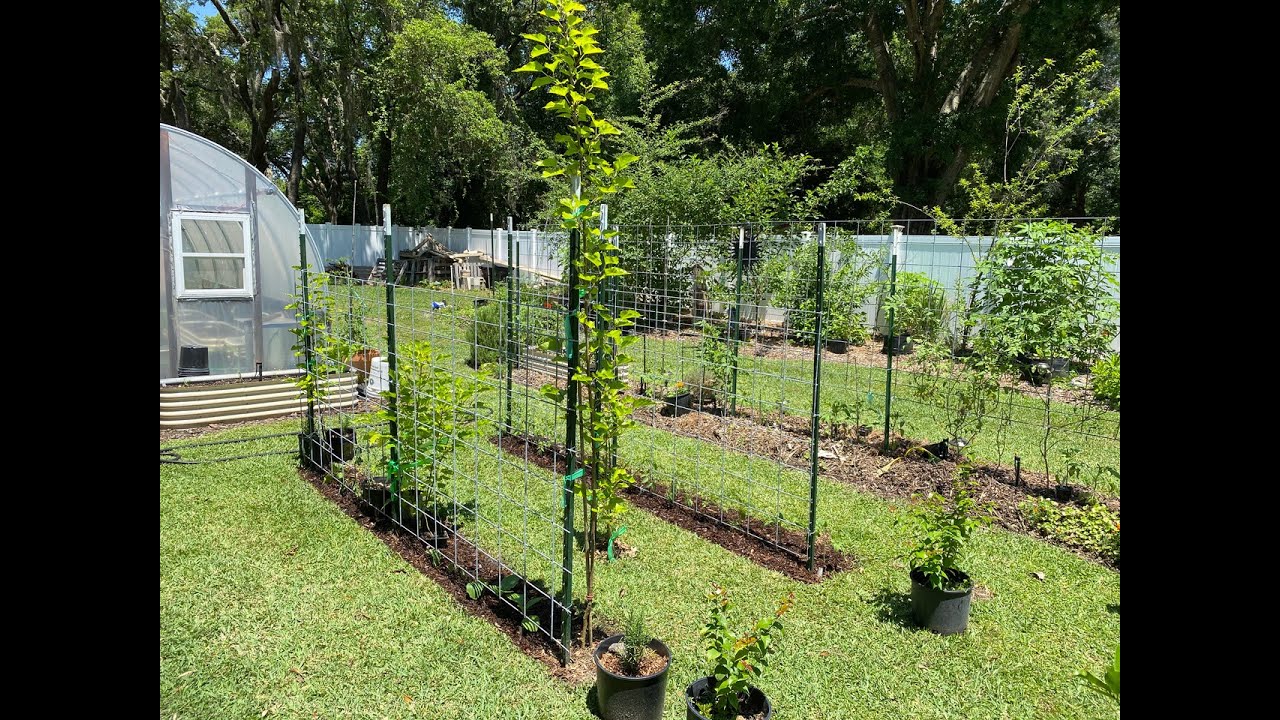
{"x": 273, "y": 600}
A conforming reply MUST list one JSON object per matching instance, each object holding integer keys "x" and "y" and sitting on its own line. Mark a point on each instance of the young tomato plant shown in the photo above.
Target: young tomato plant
{"x": 562, "y": 58}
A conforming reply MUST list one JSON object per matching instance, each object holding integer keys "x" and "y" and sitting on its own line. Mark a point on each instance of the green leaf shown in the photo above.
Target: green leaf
{"x": 532, "y": 66}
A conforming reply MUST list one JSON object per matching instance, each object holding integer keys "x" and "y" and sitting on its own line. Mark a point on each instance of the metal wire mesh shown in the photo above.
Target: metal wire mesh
{"x": 860, "y": 331}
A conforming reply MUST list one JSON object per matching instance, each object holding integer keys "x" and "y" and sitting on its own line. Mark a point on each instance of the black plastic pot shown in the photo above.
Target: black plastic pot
{"x": 376, "y": 494}
{"x": 1037, "y": 370}
{"x": 311, "y": 452}
{"x": 631, "y": 698}
{"x": 415, "y": 515}
{"x": 340, "y": 445}
{"x": 193, "y": 361}
{"x": 838, "y": 347}
{"x": 755, "y": 699}
{"x": 945, "y": 612}
{"x": 677, "y": 405}
{"x": 898, "y": 345}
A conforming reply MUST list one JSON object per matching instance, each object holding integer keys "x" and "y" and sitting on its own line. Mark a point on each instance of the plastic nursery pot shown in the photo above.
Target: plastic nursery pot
{"x": 362, "y": 361}
{"x": 311, "y": 452}
{"x": 631, "y": 698}
{"x": 1037, "y": 370}
{"x": 376, "y": 494}
{"x": 415, "y": 516}
{"x": 945, "y": 612}
{"x": 838, "y": 347}
{"x": 340, "y": 445}
{"x": 677, "y": 405}
{"x": 756, "y": 705}
{"x": 898, "y": 345}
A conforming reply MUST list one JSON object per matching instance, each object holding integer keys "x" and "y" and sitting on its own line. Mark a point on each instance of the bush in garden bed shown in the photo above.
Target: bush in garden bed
{"x": 1106, "y": 381}
{"x": 1094, "y": 527}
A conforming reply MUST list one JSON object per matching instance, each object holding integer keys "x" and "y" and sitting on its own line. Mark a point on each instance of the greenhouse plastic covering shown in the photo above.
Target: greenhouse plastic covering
{"x": 226, "y": 281}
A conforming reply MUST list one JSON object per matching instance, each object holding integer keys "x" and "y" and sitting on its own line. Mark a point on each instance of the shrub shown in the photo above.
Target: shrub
{"x": 1094, "y": 528}
{"x": 487, "y": 333}
{"x": 736, "y": 660}
{"x": 944, "y": 531}
{"x": 918, "y": 305}
{"x": 846, "y": 287}
{"x": 1106, "y": 381}
{"x": 1045, "y": 293}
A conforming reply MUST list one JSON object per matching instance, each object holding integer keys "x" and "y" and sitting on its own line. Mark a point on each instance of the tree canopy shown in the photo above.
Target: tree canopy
{"x": 740, "y": 109}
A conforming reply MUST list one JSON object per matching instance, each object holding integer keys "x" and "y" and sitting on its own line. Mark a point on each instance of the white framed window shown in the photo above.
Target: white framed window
{"x": 211, "y": 255}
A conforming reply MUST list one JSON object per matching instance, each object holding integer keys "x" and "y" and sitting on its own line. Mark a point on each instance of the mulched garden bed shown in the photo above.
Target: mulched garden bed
{"x": 453, "y": 580}
{"x": 857, "y": 461}
{"x": 767, "y": 544}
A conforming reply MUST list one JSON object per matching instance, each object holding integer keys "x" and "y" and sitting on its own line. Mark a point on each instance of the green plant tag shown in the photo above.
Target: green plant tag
{"x": 613, "y": 537}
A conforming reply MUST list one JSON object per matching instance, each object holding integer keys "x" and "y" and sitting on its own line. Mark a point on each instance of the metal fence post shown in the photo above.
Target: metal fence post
{"x": 393, "y": 469}
{"x": 735, "y": 331}
{"x": 307, "y": 359}
{"x": 570, "y": 439}
{"x": 892, "y": 345}
{"x": 509, "y": 344}
{"x": 817, "y": 396}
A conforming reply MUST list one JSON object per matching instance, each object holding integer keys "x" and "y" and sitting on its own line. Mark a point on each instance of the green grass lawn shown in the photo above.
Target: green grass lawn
{"x": 274, "y": 601}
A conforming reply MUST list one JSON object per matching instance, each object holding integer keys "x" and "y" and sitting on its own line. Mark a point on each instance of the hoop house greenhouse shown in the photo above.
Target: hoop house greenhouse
{"x": 228, "y": 246}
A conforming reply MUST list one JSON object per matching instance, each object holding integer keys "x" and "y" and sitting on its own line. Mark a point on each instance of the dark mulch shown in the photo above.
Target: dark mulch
{"x": 453, "y": 580}
{"x": 768, "y": 544}
{"x": 857, "y": 460}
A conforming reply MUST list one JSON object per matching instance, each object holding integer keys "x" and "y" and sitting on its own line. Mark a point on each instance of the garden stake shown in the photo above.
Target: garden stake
{"x": 306, "y": 337}
{"x": 817, "y": 396}
{"x": 394, "y": 431}
{"x": 509, "y": 345}
{"x": 570, "y": 442}
{"x": 888, "y": 373}
{"x": 736, "y": 332}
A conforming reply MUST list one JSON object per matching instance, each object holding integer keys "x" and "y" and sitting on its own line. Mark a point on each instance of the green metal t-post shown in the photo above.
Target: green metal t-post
{"x": 509, "y": 345}
{"x": 817, "y": 396}
{"x": 307, "y": 359}
{"x": 893, "y": 347}
{"x": 735, "y": 332}
{"x": 388, "y": 249}
{"x": 570, "y": 439}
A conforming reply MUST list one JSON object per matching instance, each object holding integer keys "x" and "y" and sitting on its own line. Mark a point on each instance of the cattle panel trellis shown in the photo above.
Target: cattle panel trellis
{"x": 433, "y": 451}
{"x": 767, "y": 350}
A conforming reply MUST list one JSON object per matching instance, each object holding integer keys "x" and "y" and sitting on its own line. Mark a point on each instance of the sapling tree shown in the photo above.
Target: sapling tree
{"x": 562, "y": 58}
{"x": 437, "y": 411}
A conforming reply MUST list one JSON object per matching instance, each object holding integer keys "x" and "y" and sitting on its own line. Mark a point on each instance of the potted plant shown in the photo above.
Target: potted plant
{"x": 837, "y": 331}
{"x": 737, "y": 660}
{"x": 631, "y": 672}
{"x": 436, "y": 412}
{"x": 313, "y": 308}
{"x": 940, "y": 590}
{"x": 675, "y": 395}
{"x": 918, "y": 305}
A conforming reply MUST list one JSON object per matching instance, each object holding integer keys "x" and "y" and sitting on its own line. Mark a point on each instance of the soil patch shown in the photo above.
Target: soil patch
{"x": 856, "y": 460}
